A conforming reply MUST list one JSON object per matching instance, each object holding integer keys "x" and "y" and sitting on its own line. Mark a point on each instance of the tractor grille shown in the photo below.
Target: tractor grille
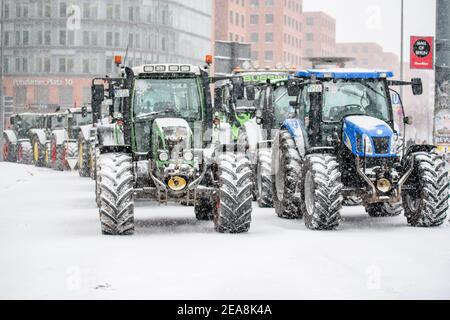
{"x": 381, "y": 145}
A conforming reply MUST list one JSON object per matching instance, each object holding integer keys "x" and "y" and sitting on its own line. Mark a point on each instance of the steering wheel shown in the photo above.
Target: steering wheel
{"x": 339, "y": 112}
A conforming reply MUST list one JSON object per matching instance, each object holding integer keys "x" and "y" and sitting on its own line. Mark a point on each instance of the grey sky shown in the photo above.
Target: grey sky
{"x": 378, "y": 20}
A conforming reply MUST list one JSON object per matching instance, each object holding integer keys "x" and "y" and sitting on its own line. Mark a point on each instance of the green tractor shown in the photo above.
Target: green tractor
{"x": 343, "y": 142}
{"x": 167, "y": 152}
{"x": 17, "y": 145}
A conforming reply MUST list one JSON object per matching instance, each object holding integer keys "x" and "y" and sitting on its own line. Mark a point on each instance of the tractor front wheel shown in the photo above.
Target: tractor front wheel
{"x": 379, "y": 210}
{"x": 25, "y": 152}
{"x": 426, "y": 204}
{"x": 264, "y": 181}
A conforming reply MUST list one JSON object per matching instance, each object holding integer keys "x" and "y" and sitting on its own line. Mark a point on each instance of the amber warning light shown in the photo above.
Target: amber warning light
{"x": 118, "y": 60}
{"x": 209, "y": 59}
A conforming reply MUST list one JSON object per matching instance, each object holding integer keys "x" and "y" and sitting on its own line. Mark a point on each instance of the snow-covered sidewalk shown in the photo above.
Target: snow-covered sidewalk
{"x": 51, "y": 247}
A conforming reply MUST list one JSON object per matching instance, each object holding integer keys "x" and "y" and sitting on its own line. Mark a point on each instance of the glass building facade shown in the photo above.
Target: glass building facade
{"x": 53, "y": 48}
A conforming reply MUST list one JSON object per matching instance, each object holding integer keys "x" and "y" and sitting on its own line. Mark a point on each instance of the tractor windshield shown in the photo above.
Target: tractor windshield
{"x": 355, "y": 97}
{"x": 58, "y": 121}
{"x": 32, "y": 121}
{"x": 171, "y": 97}
{"x": 79, "y": 120}
{"x": 281, "y": 106}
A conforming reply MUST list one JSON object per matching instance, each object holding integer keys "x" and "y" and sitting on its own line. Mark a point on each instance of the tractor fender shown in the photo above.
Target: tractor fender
{"x": 223, "y": 133}
{"x": 40, "y": 133}
{"x": 254, "y": 136}
{"x": 60, "y": 136}
{"x": 85, "y": 132}
{"x": 10, "y": 135}
{"x": 297, "y": 131}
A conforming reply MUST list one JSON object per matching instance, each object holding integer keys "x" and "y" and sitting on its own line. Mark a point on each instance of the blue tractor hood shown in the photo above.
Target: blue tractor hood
{"x": 379, "y": 134}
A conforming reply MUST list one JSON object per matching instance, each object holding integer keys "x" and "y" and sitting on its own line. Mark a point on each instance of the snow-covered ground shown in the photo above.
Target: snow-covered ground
{"x": 51, "y": 247}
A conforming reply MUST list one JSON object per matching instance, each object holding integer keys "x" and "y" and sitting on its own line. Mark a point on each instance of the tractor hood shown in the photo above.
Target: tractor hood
{"x": 375, "y": 134}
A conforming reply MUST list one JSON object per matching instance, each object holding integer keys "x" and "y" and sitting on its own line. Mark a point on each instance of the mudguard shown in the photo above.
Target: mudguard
{"x": 296, "y": 130}
{"x": 85, "y": 132}
{"x": 60, "y": 136}
{"x": 254, "y": 136}
{"x": 11, "y": 136}
{"x": 40, "y": 133}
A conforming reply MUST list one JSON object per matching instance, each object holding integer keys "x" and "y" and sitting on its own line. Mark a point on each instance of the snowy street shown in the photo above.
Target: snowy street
{"x": 52, "y": 247}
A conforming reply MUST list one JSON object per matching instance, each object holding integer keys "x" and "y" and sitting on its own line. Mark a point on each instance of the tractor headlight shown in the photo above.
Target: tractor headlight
{"x": 188, "y": 156}
{"x": 384, "y": 185}
{"x": 368, "y": 146}
{"x": 164, "y": 156}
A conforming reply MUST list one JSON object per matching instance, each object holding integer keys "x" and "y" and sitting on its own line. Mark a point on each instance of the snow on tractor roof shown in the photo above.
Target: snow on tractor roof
{"x": 345, "y": 73}
{"x": 170, "y": 68}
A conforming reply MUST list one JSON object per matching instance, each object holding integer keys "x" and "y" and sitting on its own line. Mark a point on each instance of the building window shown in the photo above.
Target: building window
{"x": 254, "y": 37}
{"x": 6, "y": 65}
{"x": 71, "y": 37}
{"x": 109, "y": 11}
{"x": 70, "y": 65}
{"x": 18, "y": 10}
{"x": 269, "y": 3}
{"x": 62, "y": 10}
{"x": 62, "y": 37}
{"x": 6, "y": 38}
{"x": 6, "y": 11}
{"x": 85, "y": 65}
{"x": 48, "y": 37}
{"x": 25, "y": 38}
{"x": 310, "y": 21}
{"x": 17, "y": 38}
{"x": 254, "y": 19}
{"x": 62, "y": 65}
{"x": 65, "y": 95}
{"x": 131, "y": 13}
{"x": 94, "y": 38}
{"x": 109, "y": 39}
{"x": 269, "y": 18}
{"x": 86, "y": 10}
{"x": 47, "y": 65}
{"x": 254, "y": 3}
{"x": 269, "y": 37}
{"x": 309, "y": 37}
{"x": 117, "y": 12}
{"x": 116, "y": 39}
{"x": 268, "y": 55}
{"x": 109, "y": 62}
{"x": 24, "y": 64}
{"x": 85, "y": 38}
{"x": 47, "y": 9}
{"x": 41, "y": 94}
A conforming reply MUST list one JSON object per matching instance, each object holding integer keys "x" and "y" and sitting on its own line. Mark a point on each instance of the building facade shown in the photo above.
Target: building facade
{"x": 367, "y": 55}
{"x": 53, "y": 48}
{"x": 319, "y": 35}
{"x": 230, "y": 20}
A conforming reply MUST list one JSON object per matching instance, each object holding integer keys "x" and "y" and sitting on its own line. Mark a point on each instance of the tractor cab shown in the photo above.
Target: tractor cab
{"x": 22, "y": 123}
{"x": 77, "y": 118}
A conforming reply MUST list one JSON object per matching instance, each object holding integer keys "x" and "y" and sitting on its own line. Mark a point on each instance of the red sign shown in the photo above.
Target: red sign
{"x": 422, "y": 52}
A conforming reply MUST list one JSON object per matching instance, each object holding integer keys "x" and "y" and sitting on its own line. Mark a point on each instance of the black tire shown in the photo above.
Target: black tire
{"x": 322, "y": 192}
{"x": 117, "y": 196}
{"x": 426, "y": 205}
{"x": 380, "y": 210}
{"x": 93, "y": 156}
{"x": 233, "y": 207}
{"x": 83, "y": 157}
{"x": 204, "y": 209}
{"x": 57, "y": 156}
{"x": 264, "y": 180}
{"x": 285, "y": 181}
{"x": 24, "y": 152}
{"x": 38, "y": 152}
{"x": 352, "y": 202}
{"x": 70, "y": 153}
{"x": 8, "y": 151}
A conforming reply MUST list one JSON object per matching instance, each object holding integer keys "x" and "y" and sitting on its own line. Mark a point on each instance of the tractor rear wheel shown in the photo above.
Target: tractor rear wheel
{"x": 83, "y": 158}
{"x": 8, "y": 150}
{"x": 321, "y": 191}
{"x": 233, "y": 201}
{"x": 264, "y": 178}
{"x": 379, "y": 210}
{"x": 286, "y": 195}
{"x": 70, "y": 155}
{"x": 426, "y": 204}
{"x": 117, "y": 196}
{"x": 24, "y": 152}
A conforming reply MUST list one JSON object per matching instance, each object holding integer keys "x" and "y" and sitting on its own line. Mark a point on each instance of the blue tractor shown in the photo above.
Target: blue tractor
{"x": 343, "y": 142}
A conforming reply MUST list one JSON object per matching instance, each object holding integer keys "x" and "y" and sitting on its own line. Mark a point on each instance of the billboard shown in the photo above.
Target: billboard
{"x": 422, "y": 52}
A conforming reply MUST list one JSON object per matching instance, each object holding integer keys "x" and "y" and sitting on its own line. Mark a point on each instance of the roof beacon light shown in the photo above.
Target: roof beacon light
{"x": 209, "y": 59}
{"x": 118, "y": 60}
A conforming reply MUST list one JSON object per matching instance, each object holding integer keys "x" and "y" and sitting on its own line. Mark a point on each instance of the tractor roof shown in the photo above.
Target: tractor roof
{"x": 345, "y": 73}
{"x": 168, "y": 68}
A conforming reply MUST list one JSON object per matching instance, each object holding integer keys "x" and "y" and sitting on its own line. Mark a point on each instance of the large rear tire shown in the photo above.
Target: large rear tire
{"x": 24, "y": 152}
{"x": 233, "y": 207}
{"x": 322, "y": 192}
{"x": 286, "y": 194}
{"x": 8, "y": 150}
{"x": 426, "y": 204}
{"x": 117, "y": 196}
{"x": 83, "y": 158}
{"x": 204, "y": 209}
{"x": 264, "y": 180}
{"x": 70, "y": 154}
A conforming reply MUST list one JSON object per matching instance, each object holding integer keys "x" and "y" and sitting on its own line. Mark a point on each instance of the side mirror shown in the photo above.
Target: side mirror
{"x": 98, "y": 92}
{"x": 84, "y": 112}
{"x": 251, "y": 93}
{"x": 417, "y": 86}
{"x": 294, "y": 87}
{"x": 294, "y": 104}
{"x": 408, "y": 120}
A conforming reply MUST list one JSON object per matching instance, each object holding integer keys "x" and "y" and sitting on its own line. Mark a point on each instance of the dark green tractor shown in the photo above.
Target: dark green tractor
{"x": 166, "y": 150}
{"x": 17, "y": 140}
